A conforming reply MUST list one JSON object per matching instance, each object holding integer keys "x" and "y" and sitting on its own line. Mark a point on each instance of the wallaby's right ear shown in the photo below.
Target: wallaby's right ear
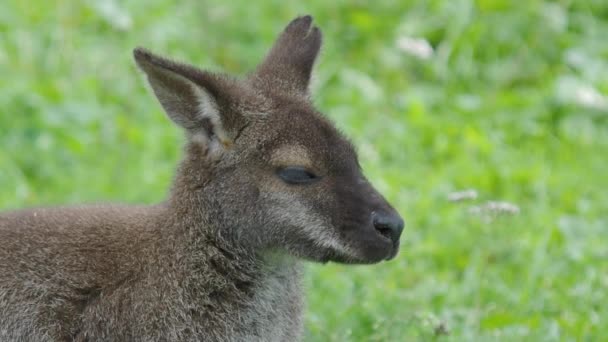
{"x": 188, "y": 95}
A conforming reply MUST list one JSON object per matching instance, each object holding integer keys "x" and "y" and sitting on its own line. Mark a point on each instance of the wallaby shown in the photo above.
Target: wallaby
{"x": 266, "y": 183}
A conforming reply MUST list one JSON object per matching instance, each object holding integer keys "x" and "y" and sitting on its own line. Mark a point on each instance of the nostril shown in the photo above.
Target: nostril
{"x": 385, "y": 231}
{"x": 389, "y": 226}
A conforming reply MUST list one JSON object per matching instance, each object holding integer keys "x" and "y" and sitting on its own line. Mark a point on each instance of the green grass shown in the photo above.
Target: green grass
{"x": 499, "y": 107}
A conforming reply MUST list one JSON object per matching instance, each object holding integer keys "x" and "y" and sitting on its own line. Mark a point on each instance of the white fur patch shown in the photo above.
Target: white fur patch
{"x": 208, "y": 109}
{"x": 291, "y": 155}
{"x": 295, "y": 213}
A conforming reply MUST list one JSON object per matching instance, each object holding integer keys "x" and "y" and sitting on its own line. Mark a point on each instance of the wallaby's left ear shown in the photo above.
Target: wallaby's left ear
{"x": 289, "y": 63}
{"x": 190, "y": 97}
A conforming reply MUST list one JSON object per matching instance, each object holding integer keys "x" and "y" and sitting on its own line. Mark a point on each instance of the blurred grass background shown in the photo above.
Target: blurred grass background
{"x": 507, "y": 98}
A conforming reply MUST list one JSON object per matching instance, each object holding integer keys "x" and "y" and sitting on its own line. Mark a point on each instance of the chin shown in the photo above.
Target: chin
{"x": 371, "y": 252}
{"x": 364, "y": 257}
{"x": 364, "y": 249}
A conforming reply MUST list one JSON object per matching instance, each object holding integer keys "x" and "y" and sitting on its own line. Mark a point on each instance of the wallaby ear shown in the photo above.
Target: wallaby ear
{"x": 290, "y": 61}
{"x": 188, "y": 95}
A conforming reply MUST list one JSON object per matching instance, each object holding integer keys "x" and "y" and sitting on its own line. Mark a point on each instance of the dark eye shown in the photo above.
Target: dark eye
{"x": 296, "y": 175}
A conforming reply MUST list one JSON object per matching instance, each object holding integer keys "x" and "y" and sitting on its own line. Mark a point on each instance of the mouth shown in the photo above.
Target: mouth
{"x": 369, "y": 254}
{"x": 394, "y": 251}
{"x": 393, "y": 246}
{"x": 361, "y": 246}
{"x": 383, "y": 249}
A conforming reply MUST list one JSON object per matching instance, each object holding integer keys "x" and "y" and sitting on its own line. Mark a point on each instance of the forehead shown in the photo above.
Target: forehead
{"x": 302, "y": 136}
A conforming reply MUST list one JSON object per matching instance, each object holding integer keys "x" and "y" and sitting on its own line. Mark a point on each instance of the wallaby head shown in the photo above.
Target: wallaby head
{"x": 269, "y": 170}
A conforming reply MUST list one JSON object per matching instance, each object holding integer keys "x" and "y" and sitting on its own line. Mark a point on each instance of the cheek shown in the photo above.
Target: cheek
{"x": 240, "y": 193}
{"x": 288, "y": 210}
{"x": 295, "y": 220}
{"x": 297, "y": 205}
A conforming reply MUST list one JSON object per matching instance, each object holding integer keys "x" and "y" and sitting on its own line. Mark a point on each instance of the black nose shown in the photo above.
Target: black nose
{"x": 389, "y": 225}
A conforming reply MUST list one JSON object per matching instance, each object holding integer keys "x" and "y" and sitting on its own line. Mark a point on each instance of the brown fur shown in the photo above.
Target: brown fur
{"x": 219, "y": 259}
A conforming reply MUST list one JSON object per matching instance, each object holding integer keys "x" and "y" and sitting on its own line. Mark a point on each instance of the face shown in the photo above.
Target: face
{"x": 315, "y": 200}
{"x": 281, "y": 175}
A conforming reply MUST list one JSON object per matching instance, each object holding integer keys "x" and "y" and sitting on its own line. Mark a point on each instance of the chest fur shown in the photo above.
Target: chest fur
{"x": 267, "y": 309}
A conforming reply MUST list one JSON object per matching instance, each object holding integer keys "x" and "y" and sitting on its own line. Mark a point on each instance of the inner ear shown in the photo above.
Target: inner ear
{"x": 208, "y": 127}
{"x": 189, "y": 96}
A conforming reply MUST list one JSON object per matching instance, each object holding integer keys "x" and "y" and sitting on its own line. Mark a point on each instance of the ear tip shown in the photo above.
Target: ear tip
{"x": 307, "y": 18}
{"x": 301, "y": 23}
{"x": 145, "y": 59}
{"x": 140, "y": 53}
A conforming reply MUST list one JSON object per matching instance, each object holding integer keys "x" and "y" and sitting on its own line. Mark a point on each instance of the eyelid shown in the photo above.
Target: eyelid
{"x": 297, "y": 168}
{"x": 306, "y": 167}
{"x": 297, "y": 175}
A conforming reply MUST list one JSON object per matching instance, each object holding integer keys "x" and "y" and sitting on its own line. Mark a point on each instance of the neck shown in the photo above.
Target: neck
{"x": 207, "y": 231}
{"x": 201, "y": 227}
{"x": 234, "y": 283}
{"x": 231, "y": 272}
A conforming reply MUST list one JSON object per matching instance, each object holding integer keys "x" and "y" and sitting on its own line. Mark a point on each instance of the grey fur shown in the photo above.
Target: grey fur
{"x": 220, "y": 259}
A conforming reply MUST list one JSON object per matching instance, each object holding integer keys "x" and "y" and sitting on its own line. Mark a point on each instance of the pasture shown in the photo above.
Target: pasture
{"x": 509, "y": 99}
